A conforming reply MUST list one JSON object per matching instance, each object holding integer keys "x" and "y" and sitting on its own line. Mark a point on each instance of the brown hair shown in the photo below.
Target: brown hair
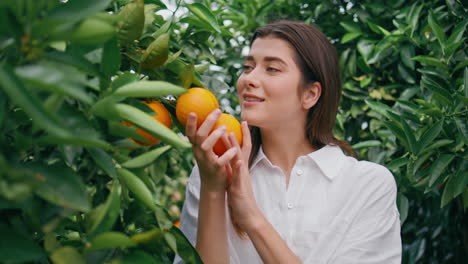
{"x": 317, "y": 60}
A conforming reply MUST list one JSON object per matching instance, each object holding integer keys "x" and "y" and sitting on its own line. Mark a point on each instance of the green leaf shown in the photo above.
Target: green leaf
{"x": 164, "y": 28}
{"x": 15, "y": 247}
{"x": 147, "y": 237}
{"x": 30, "y": 103}
{"x": 67, "y": 255}
{"x": 429, "y": 136}
{"x": 406, "y": 53}
{"x": 452, "y": 47}
{"x": 83, "y": 141}
{"x": 403, "y": 206}
{"x": 409, "y": 135}
{"x": 124, "y": 79}
{"x": 438, "y": 144}
{"x": 457, "y": 33}
{"x": 367, "y": 144}
{"x": 462, "y": 127}
{"x": 163, "y": 218}
{"x": 184, "y": 248}
{"x": 110, "y": 63}
{"x": 110, "y": 240}
{"x": 77, "y": 10}
{"x": 79, "y": 62}
{"x": 397, "y": 163}
{"x": 430, "y": 61}
{"x": 398, "y": 132}
{"x": 380, "y": 108}
{"x": 187, "y": 75}
{"x": 150, "y": 10}
{"x": 378, "y": 29}
{"x": 147, "y": 122}
{"x": 434, "y": 87}
{"x": 437, "y": 29}
{"x": 104, "y": 161}
{"x": 439, "y": 166}
{"x": 466, "y": 81}
{"x": 132, "y": 22}
{"x": 118, "y": 129}
{"x": 460, "y": 179}
{"x": 205, "y": 15}
{"x": 146, "y": 159}
{"x": 365, "y": 48}
{"x": 158, "y": 169}
{"x": 460, "y": 65}
{"x": 415, "y": 16}
{"x": 448, "y": 193}
{"x": 103, "y": 217}
{"x": 405, "y": 75}
{"x": 60, "y": 185}
{"x": 171, "y": 241}
{"x": 350, "y": 36}
{"x": 263, "y": 10}
{"x": 149, "y": 89}
{"x": 65, "y": 81}
{"x": 465, "y": 198}
{"x": 139, "y": 257}
{"x": 105, "y": 108}
{"x": 351, "y": 26}
{"x": 137, "y": 187}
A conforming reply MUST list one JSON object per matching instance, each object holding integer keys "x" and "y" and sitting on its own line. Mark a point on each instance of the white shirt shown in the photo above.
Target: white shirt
{"x": 334, "y": 210}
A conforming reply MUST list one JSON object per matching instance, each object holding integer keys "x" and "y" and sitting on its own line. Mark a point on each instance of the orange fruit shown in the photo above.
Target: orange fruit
{"x": 232, "y": 125}
{"x": 177, "y": 223}
{"x": 162, "y": 115}
{"x": 198, "y": 100}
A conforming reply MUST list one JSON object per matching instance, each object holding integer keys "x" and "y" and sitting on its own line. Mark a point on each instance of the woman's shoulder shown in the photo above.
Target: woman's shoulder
{"x": 367, "y": 173}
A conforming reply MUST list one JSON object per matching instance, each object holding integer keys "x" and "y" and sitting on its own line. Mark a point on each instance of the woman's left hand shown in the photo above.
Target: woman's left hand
{"x": 241, "y": 200}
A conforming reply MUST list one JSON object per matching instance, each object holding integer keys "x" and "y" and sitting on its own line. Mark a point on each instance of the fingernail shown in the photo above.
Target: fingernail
{"x": 223, "y": 128}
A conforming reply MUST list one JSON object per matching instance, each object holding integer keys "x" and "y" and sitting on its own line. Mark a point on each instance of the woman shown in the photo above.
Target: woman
{"x": 289, "y": 194}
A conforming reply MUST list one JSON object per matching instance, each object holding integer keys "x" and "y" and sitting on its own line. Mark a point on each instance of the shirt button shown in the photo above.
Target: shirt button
{"x": 290, "y": 206}
{"x": 299, "y": 172}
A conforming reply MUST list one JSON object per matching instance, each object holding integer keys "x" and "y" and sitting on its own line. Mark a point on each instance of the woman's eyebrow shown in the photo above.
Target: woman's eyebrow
{"x": 267, "y": 59}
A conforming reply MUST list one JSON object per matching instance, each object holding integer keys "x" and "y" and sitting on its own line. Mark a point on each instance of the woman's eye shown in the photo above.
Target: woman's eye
{"x": 246, "y": 67}
{"x": 270, "y": 69}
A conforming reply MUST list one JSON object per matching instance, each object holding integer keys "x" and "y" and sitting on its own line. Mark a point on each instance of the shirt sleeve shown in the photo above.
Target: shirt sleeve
{"x": 189, "y": 215}
{"x": 374, "y": 236}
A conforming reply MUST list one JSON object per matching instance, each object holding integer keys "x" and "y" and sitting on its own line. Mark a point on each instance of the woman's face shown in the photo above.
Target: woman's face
{"x": 268, "y": 87}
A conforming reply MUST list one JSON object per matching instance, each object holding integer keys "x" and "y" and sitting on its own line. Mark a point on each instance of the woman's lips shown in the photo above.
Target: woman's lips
{"x": 251, "y": 100}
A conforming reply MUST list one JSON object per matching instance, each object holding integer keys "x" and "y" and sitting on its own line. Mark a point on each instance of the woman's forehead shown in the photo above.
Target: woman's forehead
{"x": 271, "y": 49}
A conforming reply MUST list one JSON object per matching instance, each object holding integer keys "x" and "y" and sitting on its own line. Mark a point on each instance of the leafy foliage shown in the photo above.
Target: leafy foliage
{"x": 72, "y": 186}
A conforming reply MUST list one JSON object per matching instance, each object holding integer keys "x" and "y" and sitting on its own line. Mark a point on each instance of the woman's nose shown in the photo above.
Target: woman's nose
{"x": 251, "y": 79}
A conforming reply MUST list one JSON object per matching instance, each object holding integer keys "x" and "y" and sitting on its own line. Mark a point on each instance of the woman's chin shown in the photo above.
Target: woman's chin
{"x": 251, "y": 121}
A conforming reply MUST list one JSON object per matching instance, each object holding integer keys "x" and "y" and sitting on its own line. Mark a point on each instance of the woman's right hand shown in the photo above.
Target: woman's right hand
{"x": 212, "y": 168}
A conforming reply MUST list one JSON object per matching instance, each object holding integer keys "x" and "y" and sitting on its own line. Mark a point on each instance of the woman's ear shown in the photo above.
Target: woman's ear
{"x": 311, "y": 95}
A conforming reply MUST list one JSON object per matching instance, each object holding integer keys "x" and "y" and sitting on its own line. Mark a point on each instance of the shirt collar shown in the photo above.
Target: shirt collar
{"x": 329, "y": 159}
{"x": 260, "y": 156}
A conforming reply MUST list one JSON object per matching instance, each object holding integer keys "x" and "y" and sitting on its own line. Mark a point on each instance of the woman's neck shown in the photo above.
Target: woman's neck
{"x": 283, "y": 146}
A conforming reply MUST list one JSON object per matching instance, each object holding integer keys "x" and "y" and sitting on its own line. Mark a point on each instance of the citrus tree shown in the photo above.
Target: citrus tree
{"x": 78, "y": 78}
{"x": 90, "y": 172}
